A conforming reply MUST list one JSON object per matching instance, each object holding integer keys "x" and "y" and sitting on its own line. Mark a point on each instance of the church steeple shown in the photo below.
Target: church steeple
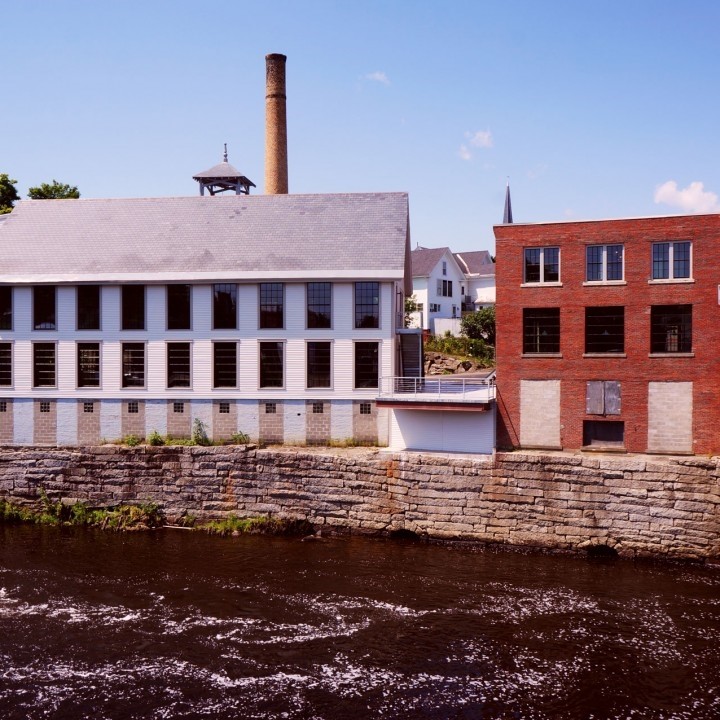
{"x": 507, "y": 215}
{"x": 223, "y": 177}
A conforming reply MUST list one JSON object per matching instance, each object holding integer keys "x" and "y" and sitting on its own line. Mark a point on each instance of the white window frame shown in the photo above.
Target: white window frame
{"x": 542, "y": 281}
{"x": 671, "y": 263}
{"x": 604, "y": 280}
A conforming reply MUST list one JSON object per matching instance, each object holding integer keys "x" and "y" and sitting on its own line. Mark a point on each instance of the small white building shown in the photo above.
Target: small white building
{"x": 479, "y": 270}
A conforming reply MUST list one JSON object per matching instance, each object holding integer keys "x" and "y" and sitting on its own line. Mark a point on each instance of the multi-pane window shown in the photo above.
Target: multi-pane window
{"x": 271, "y": 305}
{"x": 5, "y": 364}
{"x": 88, "y": 307}
{"x": 224, "y": 408}
{"x": 88, "y": 364}
{"x": 605, "y": 329}
{"x": 178, "y": 365}
{"x": 445, "y": 288}
{"x": 367, "y": 304}
{"x": 225, "y": 364}
{"x": 3, "y": 406}
{"x": 271, "y": 408}
{"x": 44, "y": 309}
{"x": 366, "y": 408}
{"x": 603, "y": 263}
{"x": 5, "y": 307}
{"x": 541, "y": 330}
{"x": 43, "y": 364}
{"x": 178, "y": 307}
{"x": 318, "y": 408}
{"x": 133, "y": 307}
{"x": 88, "y": 407}
{"x": 319, "y": 304}
{"x": 366, "y": 364}
{"x": 179, "y": 407}
{"x": 435, "y": 307}
{"x": 44, "y": 406}
{"x": 671, "y": 260}
{"x": 671, "y": 329}
{"x": 318, "y": 364}
{"x": 225, "y": 306}
{"x": 133, "y": 407}
{"x": 542, "y": 265}
{"x": 133, "y": 364}
{"x": 271, "y": 365}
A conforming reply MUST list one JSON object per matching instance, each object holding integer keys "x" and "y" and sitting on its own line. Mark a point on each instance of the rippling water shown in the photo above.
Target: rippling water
{"x": 173, "y": 624}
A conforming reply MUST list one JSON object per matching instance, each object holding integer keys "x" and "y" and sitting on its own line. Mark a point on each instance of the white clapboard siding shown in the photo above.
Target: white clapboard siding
{"x": 156, "y": 309}
{"x": 65, "y": 309}
{"x": 248, "y": 310}
{"x": 201, "y": 304}
{"x": 66, "y": 366}
{"x": 201, "y": 359}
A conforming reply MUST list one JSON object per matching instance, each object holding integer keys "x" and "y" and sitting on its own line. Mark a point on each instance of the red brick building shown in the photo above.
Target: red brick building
{"x": 609, "y": 334}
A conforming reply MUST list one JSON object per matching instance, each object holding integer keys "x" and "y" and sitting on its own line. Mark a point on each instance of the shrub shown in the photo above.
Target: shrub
{"x": 155, "y": 438}
{"x": 240, "y": 438}
{"x": 199, "y": 433}
{"x": 131, "y": 440}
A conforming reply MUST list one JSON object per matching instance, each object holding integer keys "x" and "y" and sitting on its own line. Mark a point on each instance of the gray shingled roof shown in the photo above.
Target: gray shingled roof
{"x": 477, "y": 262}
{"x": 343, "y": 235}
{"x": 425, "y": 259}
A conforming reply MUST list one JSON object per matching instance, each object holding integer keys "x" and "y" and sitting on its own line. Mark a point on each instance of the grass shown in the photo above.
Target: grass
{"x": 233, "y": 525}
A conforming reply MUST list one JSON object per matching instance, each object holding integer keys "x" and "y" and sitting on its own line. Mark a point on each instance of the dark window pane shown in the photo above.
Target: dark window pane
{"x": 366, "y": 364}
{"x": 671, "y": 328}
{"x": 44, "y": 308}
{"x": 178, "y": 307}
{"x": 681, "y": 260}
{"x": 5, "y": 308}
{"x": 178, "y": 365}
{"x": 661, "y": 261}
{"x": 133, "y": 364}
{"x": 88, "y": 359}
{"x": 551, "y": 265}
{"x": 225, "y": 306}
{"x": 541, "y": 330}
{"x": 532, "y": 265}
{"x": 133, "y": 307}
{"x": 319, "y": 307}
{"x": 225, "y": 364}
{"x": 604, "y": 329}
{"x": 614, "y": 262}
{"x": 88, "y": 307}
{"x": 271, "y": 305}
{"x": 271, "y": 364}
{"x": 44, "y": 365}
{"x": 594, "y": 263}
{"x": 5, "y": 364}
{"x": 318, "y": 364}
{"x": 367, "y": 305}
{"x": 608, "y": 433}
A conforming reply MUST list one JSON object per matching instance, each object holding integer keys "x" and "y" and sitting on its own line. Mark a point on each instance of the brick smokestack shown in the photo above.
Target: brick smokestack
{"x": 276, "y": 165}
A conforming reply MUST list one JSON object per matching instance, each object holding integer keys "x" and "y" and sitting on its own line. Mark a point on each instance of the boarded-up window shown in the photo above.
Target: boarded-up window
{"x": 602, "y": 397}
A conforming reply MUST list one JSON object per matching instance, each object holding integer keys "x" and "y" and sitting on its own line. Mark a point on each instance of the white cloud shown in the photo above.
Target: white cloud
{"x": 693, "y": 199}
{"x": 480, "y": 138}
{"x": 464, "y": 153}
{"x": 378, "y": 76}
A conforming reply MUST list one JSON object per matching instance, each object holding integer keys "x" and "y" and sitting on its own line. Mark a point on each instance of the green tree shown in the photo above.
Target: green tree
{"x": 53, "y": 191}
{"x": 8, "y": 193}
{"x": 411, "y": 306}
{"x": 479, "y": 325}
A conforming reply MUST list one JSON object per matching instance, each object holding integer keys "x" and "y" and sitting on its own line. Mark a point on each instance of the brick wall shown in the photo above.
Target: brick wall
{"x": 365, "y": 426}
{"x": 655, "y": 507}
{"x": 224, "y": 424}
{"x": 179, "y": 424}
{"x": 88, "y": 423}
{"x": 318, "y": 423}
{"x": 45, "y": 423}
{"x": 272, "y": 425}
{"x": 133, "y": 423}
{"x": 7, "y": 428}
{"x": 635, "y": 370}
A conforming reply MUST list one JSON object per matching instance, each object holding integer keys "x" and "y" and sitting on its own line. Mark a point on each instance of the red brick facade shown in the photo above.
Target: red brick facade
{"x": 637, "y": 371}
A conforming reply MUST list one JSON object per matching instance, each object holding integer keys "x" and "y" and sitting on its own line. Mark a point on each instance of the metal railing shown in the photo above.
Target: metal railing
{"x": 437, "y": 388}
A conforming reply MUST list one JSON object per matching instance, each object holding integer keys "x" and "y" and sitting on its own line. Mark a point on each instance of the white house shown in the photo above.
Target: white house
{"x": 272, "y": 315}
{"x": 479, "y": 272}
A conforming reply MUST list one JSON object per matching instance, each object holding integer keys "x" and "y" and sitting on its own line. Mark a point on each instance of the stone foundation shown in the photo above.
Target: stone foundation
{"x": 640, "y": 506}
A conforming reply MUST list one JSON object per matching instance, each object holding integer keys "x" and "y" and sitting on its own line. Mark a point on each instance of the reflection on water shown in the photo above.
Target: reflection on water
{"x": 174, "y": 624}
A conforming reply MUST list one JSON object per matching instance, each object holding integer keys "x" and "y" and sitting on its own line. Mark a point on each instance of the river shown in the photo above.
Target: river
{"x": 178, "y": 624}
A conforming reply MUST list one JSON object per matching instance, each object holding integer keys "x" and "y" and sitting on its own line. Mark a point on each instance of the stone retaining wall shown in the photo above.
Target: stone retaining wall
{"x": 640, "y": 506}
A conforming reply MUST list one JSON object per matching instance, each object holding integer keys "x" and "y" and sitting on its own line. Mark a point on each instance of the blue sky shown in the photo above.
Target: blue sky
{"x": 592, "y": 109}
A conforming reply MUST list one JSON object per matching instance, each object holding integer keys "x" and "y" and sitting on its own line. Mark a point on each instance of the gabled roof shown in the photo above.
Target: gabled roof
{"x": 477, "y": 262}
{"x": 205, "y": 238}
{"x": 424, "y": 260}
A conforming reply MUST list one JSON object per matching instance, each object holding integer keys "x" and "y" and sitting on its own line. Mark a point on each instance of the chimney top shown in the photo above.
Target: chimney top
{"x": 276, "y": 163}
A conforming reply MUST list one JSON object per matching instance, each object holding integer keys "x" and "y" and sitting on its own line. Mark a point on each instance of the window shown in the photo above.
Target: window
{"x": 270, "y": 408}
{"x": 671, "y": 329}
{"x": 44, "y": 308}
{"x": 44, "y": 406}
{"x": 603, "y": 433}
{"x": 133, "y": 364}
{"x": 318, "y": 364}
{"x": 133, "y": 407}
{"x": 88, "y": 407}
{"x": 319, "y": 304}
{"x": 671, "y": 261}
{"x": 88, "y": 307}
{"x": 88, "y": 364}
{"x": 224, "y": 307}
{"x": 542, "y": 265}
{"x": 603, "y": 263}
{"x": 602, "y": 397}
{"x": 271, "y": 305}
{"x": 5, "y": 308}
{"x": 604, "y": 329}
{"x": 541, "y": 330}
{"x": 133, "y": 307}
{"x": 367, "y": 305}
{"x": 366, "y": 364}
{"x": 365, "y": 408}
{"x": 435, "y": 307}
{"x": 225, "y": 364}
{"x": 224, "y": 408}
{"x": 5, "y": 364}
{"x": 3, "y": 406}
{"x": 178, "y": 307}
{"x": 444, "y": 288}
{"x": 318, "y": 408}
{"x": 271, "y": 364}
{"x": 178, "y": 365}
{"x": 43, "y": 364}
{"x": 179, "y": 408}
